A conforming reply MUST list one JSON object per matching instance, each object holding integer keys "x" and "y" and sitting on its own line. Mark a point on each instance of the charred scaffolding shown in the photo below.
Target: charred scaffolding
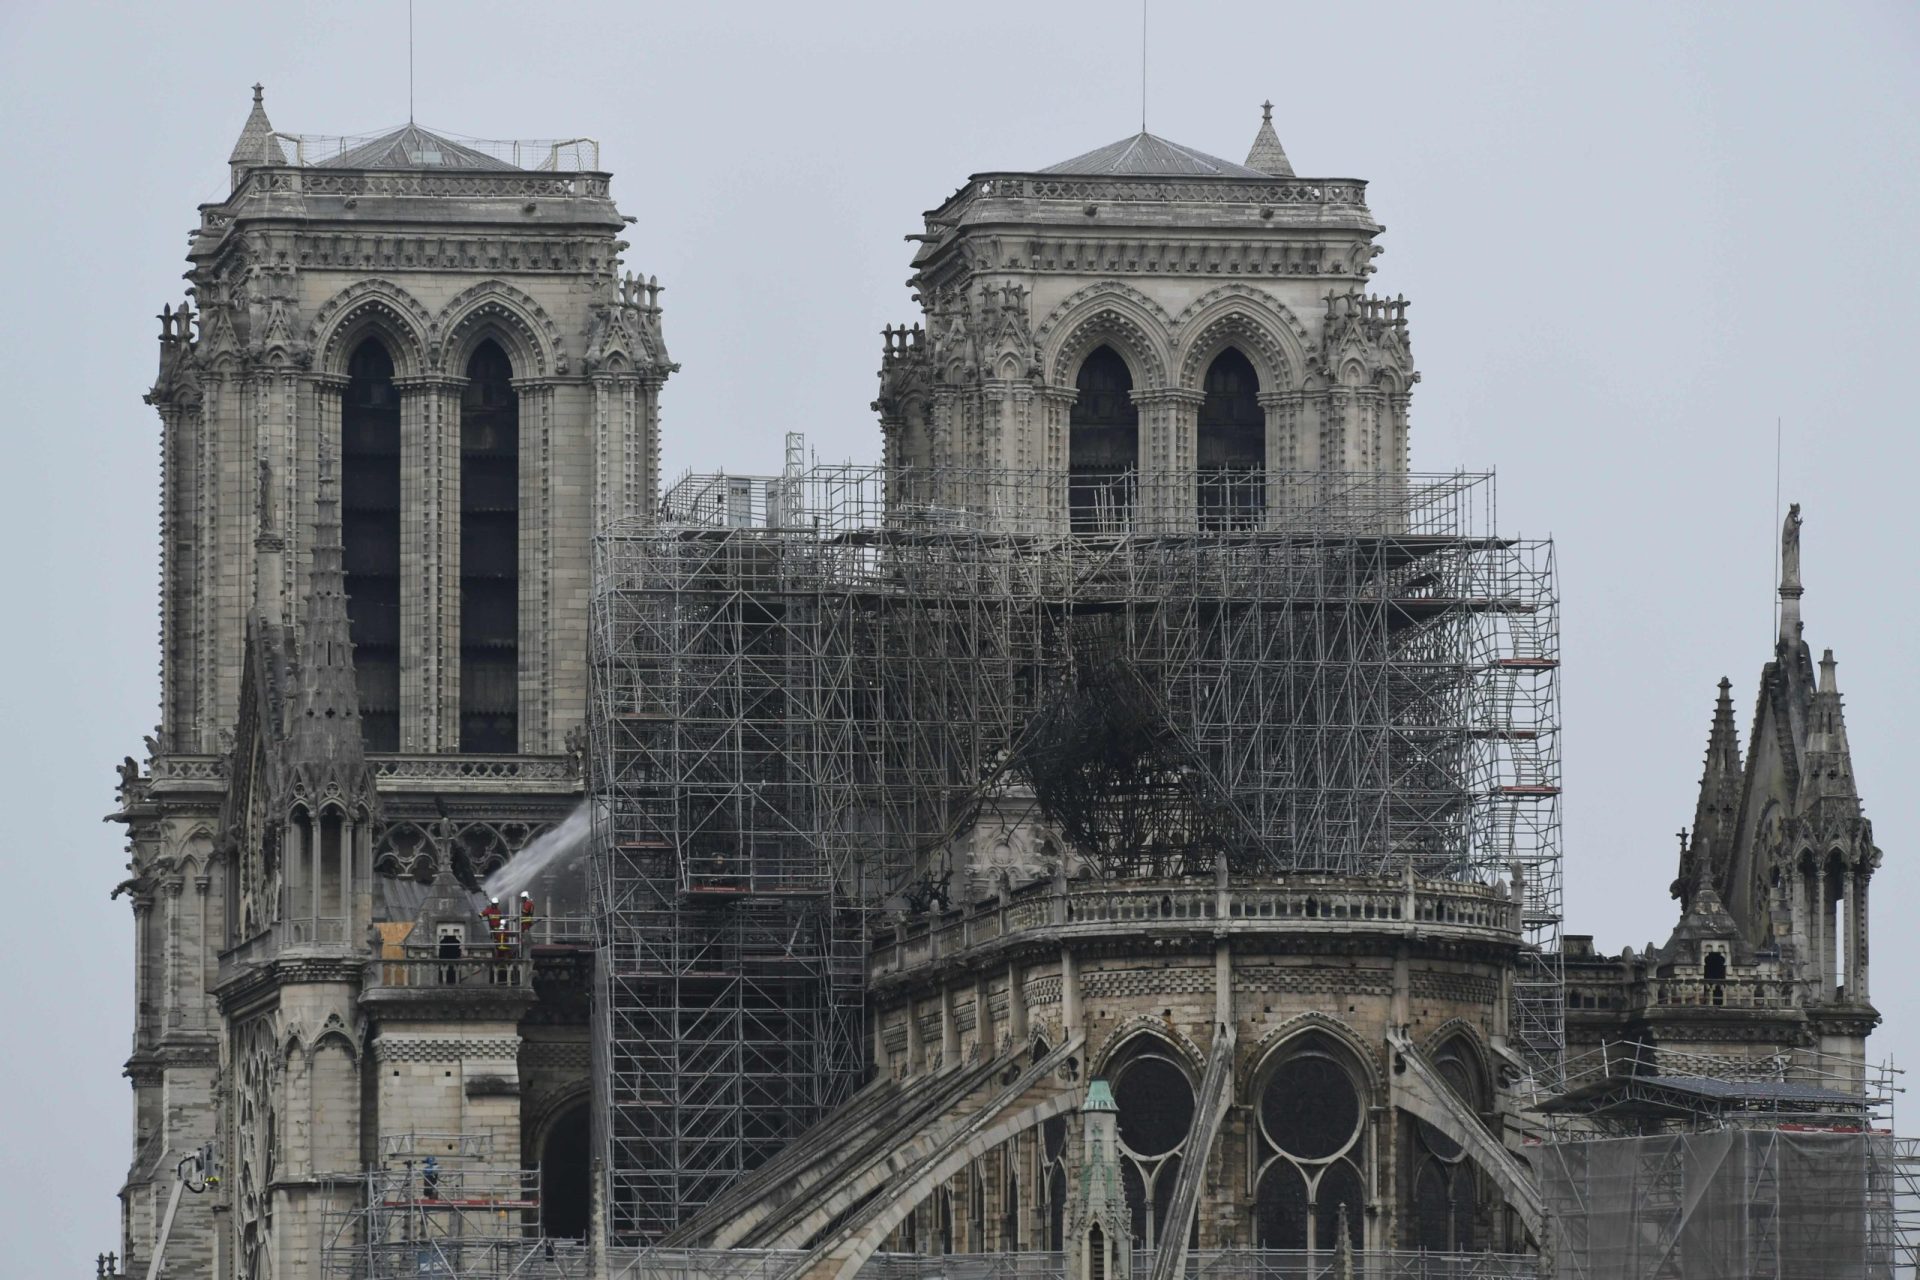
{"x": 805, "y": 685}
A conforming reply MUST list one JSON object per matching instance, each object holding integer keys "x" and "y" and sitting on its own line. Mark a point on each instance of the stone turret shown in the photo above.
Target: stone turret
{"x": 1266, "y": 154}
{"x": 1099, "y": 1225}
{"x": 256, "y": 145}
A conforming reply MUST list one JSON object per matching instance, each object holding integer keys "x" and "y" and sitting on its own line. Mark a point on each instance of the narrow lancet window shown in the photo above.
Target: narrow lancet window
{"x": 370, "y": 537}
{"x": 489, "y": 555}
{"x": 1103, "y": 446}
{"x": 1232, "y": 447}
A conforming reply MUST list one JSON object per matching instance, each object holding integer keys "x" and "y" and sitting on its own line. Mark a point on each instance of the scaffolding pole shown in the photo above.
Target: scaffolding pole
{"x": 805, "y": 684}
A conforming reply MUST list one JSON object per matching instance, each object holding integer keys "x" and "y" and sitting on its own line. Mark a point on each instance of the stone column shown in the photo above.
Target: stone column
{"x": 1822, "y": 974}
{"x": 429, "y": 563}
{"x": 538, "y": 512}
{"x": 208, "y": 948}
{"x": 1168, "y": 498}
{"x": 1050, "y": 459}
{"x": 1857, "y": 973}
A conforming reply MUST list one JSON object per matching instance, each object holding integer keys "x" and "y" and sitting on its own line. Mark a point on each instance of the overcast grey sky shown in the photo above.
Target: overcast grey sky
{"x": 1634, "y": 235}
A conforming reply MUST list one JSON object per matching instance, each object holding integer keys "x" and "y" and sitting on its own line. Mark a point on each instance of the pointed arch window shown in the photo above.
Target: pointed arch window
{"x": 1155, "y": 1099}
{"x": 1232, "y": 445}
{"x": 370, "y": 538}
{"x": 1103, "y": 445}
{"x": 489, "y": 555}
{"x": 1309, "y": 1129}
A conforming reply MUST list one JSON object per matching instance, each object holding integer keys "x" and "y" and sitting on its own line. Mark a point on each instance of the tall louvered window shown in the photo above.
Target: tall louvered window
{"x": 1232, "y": 446}
{"x": 370, "y": 536}
{"x": 489, "y": 555}
{"x": 1103, "y": 446}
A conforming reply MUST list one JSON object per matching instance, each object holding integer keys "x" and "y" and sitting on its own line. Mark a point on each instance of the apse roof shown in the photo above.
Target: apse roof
{"x": 1146, "y": 155}
{"x": 411, "y": 147}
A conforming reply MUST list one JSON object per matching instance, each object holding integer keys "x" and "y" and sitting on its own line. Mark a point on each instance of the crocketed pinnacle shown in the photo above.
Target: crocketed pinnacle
{"x": 1711, "y": 850}
{"x": 257, "y": 145}
{"x": 1826, "y": 772}
{"x": 1267, "y": 155}
{"x": 324, "y": 749}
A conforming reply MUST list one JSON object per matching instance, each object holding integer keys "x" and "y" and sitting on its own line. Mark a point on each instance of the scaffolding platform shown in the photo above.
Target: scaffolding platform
{"x": 814, "y": 679}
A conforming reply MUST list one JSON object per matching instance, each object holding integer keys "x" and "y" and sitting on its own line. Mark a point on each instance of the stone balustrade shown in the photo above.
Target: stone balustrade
{"x": 476, "y": 966}
{"x": 454, "y": 773}
{"x": 1332, "y": 905}
{"x": 1723, "y": 993}
{"x": 1319, "y": 192}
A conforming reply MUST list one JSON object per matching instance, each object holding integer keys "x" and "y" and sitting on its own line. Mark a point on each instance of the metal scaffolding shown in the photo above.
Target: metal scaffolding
{"x": 805, "y": 684}
{"x": 438, "y": 1205}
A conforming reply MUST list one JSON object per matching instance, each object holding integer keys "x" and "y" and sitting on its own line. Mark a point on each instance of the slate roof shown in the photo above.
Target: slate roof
{"x": 1145, "y": 155}
{"x": 411, "y": 147}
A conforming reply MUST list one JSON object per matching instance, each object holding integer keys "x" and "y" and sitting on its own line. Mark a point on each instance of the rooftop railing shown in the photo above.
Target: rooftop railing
{"x": 536, "y": 155}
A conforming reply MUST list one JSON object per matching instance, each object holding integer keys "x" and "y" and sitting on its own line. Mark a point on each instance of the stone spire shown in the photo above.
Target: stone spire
{"x": 1267, "y": 154}
{"x": 325, "y": 756}
{"x": 257, "y": 145}
{"x": 1704, "y": 860}
{"x": 1826, "y": 769}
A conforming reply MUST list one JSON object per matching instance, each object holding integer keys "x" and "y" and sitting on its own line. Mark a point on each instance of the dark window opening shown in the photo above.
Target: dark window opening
{"x": 1310, "y": 1109}
{"x": 1232, "y": 446}
{"x": 1280, "y": 1209}
{"x": 1103, "y": 446}
{"x": 370, "y": 538}
{"x": 489, "y": 555}
{"x": 1339, "y": 1185}
{"x": 565, "y": 1189}
{"x": 1155, "y": 1102}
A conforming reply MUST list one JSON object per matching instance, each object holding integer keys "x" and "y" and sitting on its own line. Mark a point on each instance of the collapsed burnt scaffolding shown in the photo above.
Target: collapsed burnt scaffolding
{"x": 804, "y": 684}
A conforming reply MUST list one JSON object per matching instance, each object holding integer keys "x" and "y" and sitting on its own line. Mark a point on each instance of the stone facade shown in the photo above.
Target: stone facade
{"x": 1263, "y": 1056}
{"x": 261, "y": 1026}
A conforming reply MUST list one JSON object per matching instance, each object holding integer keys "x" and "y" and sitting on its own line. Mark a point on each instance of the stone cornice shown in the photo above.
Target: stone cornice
{"x": 250, "y": 986}
{"x": 392, "y": 1048}
{"x": 1145, "y": 396}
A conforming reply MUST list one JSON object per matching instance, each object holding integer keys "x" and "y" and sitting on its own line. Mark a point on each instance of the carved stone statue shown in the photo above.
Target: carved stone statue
{"x": 1790, "y": 548}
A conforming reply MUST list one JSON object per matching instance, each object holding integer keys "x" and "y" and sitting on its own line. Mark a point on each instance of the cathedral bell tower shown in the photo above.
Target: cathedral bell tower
{"x": 1146, "y": 338}
{"x": 409, "y": 382}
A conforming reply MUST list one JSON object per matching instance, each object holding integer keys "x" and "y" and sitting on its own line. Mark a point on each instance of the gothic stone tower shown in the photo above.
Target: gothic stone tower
{"x": 1770, "y": 956}
{"x": 1146, "y": 330}
{"x": 439, "y": 331}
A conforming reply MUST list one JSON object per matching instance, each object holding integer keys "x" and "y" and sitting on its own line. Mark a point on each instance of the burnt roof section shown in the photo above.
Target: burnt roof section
{"x": 1146, "y": 155}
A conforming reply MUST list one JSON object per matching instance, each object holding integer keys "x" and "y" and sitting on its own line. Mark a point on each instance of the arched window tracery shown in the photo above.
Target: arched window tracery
{"x": 1446, "y": 1185}
{"x": 370, "y": 538}
{"x": 1103, "y": 445}
{"x": 1053, "y": 1181}
{"x": 489, "y": 555}
{"x": 1309, "y": 1129}
{"x": 1154, "y": 1097}
{"x": 1231, "y": 446}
